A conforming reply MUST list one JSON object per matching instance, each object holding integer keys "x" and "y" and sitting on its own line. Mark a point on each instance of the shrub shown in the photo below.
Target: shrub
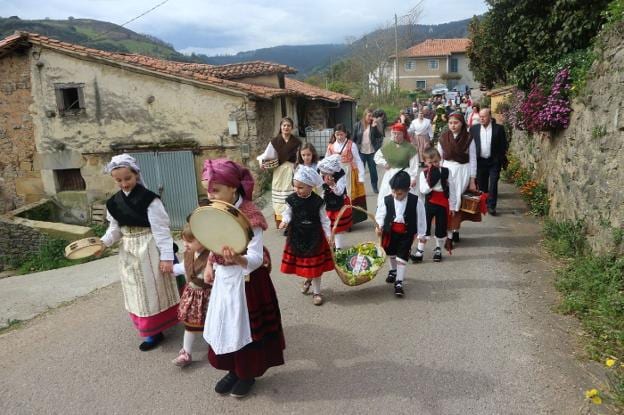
{"x": 555, "y": 113}
{"x": 51, "y": 255}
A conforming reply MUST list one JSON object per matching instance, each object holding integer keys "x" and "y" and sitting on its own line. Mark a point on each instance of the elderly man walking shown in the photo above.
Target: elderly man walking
{"x": 492, "y": 145}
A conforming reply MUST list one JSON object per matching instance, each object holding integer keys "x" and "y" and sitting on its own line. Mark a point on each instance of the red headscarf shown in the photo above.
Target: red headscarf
{"x": 228, "y": 173}
{"x": 400, "y": 127}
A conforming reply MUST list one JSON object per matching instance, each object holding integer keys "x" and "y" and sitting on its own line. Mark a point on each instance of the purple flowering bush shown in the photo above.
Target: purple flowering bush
{"x": 532, "y": 107}
{"x": 555, "y": 114}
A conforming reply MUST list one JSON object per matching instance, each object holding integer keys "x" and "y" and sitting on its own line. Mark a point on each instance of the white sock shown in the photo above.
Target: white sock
{"x": 338, "y": 240}
{"x": 187, "y": 343}
{"x": 440, "y": 242}
{"x": 400, "y": 269}
{"x": 449, "y": 234}
{"x": 316, "y": 285}
{"x": 421, "y": 247}
{"x": 393, "y": 262}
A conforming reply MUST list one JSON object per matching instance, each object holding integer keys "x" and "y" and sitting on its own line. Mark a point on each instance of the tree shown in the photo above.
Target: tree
{"x": 517, "y": 39}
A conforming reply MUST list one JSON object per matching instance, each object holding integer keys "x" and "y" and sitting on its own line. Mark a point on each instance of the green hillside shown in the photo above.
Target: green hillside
{"x": 95, "y": 34}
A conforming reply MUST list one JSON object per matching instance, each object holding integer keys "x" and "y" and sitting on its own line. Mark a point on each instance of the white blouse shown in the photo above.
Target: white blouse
{"x": 159, "y": 225}
{"x": 336, "y": 147}
{"x": 418, "y": 127}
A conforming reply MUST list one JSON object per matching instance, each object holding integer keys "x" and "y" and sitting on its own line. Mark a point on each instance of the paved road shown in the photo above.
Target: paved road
{"x": 473, "y": 335}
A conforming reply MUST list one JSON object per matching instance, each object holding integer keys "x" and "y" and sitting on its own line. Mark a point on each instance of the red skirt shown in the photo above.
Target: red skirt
{"x": 193, "y": 307}
{"x": 266, "y": 348}
{"x": 151, "y": 325}
{"x": 346, "y": 221}
{"x": 308, "y": 266}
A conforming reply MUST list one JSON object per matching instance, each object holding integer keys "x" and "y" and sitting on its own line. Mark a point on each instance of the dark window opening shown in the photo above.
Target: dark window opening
{"x": 69, "y": 179}
{"x": 69, "y": 98}
{"x": 454, "y": 65}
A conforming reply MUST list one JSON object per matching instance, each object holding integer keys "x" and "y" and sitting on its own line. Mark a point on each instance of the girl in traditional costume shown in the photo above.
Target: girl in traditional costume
{"x": 335, "y": 196}
{"x": 284, "y": 147}
{"x": 137, "y": 217}
{"x": 307, "y": 252}
{"x": 194, "y": 298}
{"x": 243, "y": 323}
{"x": 307, "y": 156}
{"x": 459, "y": 155}
{"x": 352, "y": 165}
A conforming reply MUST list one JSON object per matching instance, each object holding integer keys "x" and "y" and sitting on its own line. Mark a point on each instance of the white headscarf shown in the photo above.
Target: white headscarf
{"x": 124, "y": 160}
{"x": 309, "y": 176}
{"x": 330, "y": 164}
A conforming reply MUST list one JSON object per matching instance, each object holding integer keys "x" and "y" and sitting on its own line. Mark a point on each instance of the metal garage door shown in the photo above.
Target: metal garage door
{"x": 171, "y": 174}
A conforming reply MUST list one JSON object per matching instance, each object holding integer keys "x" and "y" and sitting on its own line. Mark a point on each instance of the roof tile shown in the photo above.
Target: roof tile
{"x": 436, "y": 47}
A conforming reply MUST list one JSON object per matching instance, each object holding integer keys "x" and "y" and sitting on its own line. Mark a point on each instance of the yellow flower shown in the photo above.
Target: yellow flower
{"x": 610, "y": 362}
{"x": 593, "y": 395}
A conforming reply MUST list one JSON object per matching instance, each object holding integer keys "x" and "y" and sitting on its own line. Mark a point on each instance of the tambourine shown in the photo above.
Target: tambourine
{"x": 270, "y": 164}
{"x": 470, "y": 202}
{"x": 220, "y": 224}
{"x": 83, "y": 248}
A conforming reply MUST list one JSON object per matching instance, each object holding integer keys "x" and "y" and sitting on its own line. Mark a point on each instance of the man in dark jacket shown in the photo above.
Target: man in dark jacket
{"x": 492, "y": 146}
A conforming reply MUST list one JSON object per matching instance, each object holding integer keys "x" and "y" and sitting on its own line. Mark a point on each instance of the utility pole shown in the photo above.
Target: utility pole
{"x": 396, "y": 55}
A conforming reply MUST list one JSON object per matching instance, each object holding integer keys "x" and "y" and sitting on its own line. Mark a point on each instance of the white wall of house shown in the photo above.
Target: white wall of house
{"x": 119, "y": 110}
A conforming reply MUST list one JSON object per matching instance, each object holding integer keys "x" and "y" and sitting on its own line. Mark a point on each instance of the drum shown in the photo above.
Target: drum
{"x": 220, "y": 224}
{"x": 270, "y": 164}
{"x": 83, "y": 248}
{"x": 470, "y": 202}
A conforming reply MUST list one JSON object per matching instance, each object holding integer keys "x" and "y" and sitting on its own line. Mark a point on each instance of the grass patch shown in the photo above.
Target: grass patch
{"x": 51, "y": 255}
{"x": 565, "y": 239}
{"x": 593, "y": 291}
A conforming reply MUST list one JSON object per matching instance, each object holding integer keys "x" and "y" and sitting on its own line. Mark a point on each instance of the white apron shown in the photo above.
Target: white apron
{"x": 459, "y": 179}
{"x": 227, "y": 320}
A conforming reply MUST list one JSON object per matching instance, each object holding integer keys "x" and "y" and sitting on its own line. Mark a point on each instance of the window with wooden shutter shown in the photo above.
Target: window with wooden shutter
{"x": 69, "y": 98}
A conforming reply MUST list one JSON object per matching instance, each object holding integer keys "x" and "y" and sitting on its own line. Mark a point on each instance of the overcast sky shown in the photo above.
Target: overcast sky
{"x": 230, "y": 26}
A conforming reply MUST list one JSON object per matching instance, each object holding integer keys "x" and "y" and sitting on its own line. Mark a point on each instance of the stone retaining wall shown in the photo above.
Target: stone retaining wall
{"x": 17, "y": 241}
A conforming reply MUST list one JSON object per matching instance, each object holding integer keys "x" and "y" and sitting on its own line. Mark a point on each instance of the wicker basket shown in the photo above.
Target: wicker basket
{"x": 345, "y": 276}
{"x": 470, "y": 202}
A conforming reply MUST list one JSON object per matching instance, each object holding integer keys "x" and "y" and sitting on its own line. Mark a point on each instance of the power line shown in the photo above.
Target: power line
{"x": 133, "y": 19}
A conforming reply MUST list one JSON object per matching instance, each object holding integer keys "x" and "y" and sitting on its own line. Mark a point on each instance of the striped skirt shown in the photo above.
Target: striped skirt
{"x": 281, "y": 188}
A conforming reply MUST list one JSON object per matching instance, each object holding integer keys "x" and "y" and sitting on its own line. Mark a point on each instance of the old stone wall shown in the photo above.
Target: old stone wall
{"x": 17, "y": 241}
{"x": 583, "y": 165}
{"x": 19, "y": 171}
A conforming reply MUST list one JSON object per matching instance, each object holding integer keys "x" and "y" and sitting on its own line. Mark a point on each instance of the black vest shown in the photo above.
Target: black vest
{"x": 131, "y": 210}
{"x": 411, "y": 220}
{"x": 442, "y": 174}
{"x": 334, "y": 202}
{"x": 305, "y": 232}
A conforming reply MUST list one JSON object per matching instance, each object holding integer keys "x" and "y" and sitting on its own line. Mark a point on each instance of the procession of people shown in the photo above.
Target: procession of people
{"x": 229, "y": 295}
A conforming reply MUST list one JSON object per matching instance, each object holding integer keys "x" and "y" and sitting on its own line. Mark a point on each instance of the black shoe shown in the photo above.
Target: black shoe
{"x": 152, "y": 343}
{"x": 242, "y": 388}
{"x": 391, "y": 276}
{"x": 437, "y": 255}
{"x": 417, "y": 258}
{"x": 398, "y": 289}
{"x": 455, "y": 236}
{"x": 226, "y": 383}
{"x": 286, "y": 232}
{"x": 492, "y": 211}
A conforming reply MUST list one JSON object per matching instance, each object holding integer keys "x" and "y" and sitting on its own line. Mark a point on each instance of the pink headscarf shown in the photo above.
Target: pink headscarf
{"x": 229, "y": 173}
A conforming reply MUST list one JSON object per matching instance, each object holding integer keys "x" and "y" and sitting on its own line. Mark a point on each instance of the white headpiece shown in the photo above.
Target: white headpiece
{"x": 123, "y": 160}
{"x": 330, "y": 164}
{"x": 308, "y": 175}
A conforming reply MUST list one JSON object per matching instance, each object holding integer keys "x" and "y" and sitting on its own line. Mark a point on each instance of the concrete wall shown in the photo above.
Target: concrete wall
{"x": 133, "y": 109}
{"x": 20, "y": 180}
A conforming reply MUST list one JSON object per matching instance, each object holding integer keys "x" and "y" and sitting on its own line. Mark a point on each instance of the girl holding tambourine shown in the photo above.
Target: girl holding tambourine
{"x": 243, "y": 324}
{"x": 137, "y": 217}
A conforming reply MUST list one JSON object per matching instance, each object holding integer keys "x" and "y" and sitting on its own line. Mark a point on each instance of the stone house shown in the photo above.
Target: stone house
{"x": 66, "y": 109}
{"x": 434, "y": 61}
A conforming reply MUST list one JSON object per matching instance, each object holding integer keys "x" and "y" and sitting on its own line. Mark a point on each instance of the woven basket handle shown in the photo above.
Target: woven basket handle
{"x": 342, "y": 211}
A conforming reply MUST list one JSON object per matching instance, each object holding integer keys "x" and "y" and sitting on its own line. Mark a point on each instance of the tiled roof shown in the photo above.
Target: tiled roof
{"x": 436, "y": 47}
{"x": 313, "y": 92}
{"x": 164, "y": 67}
{"x": 241, "y": 70}
{"x": 218, "y": 76}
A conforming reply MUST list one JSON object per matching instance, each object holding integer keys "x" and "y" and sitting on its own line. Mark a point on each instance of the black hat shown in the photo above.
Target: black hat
{"x": 400, "y": 181}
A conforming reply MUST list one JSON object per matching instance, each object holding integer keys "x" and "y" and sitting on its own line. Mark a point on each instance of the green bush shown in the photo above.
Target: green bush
{"x": 51, "y": 255}
{"x": 565, "y": 239}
